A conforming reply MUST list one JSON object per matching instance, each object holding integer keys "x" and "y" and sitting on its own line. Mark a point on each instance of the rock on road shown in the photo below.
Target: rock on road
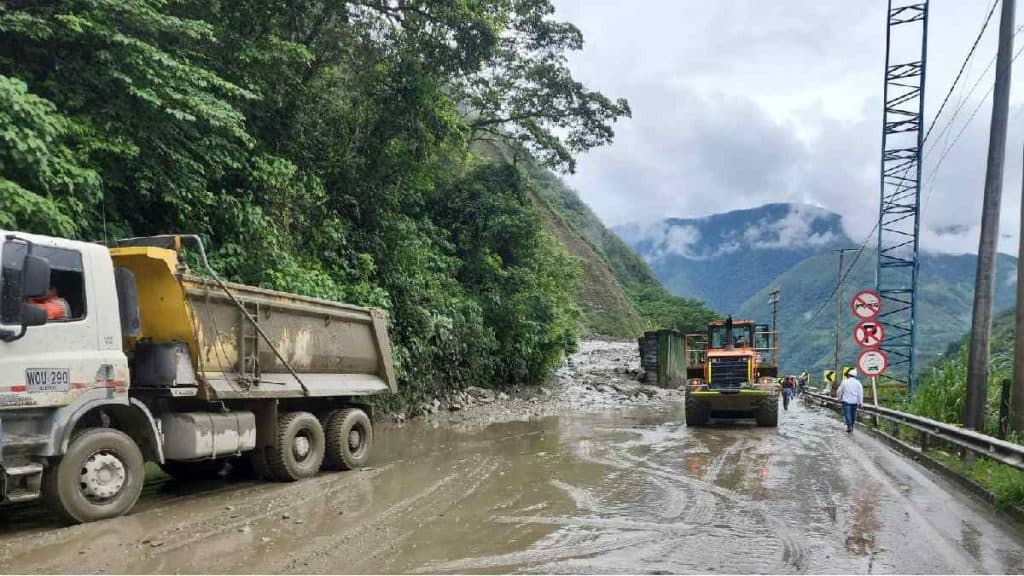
{"x": 592, "y": 488}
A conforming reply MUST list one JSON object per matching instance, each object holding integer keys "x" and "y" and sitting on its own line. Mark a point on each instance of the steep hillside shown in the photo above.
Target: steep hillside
{"x": 620, "y": 294}
{"x": 607, "y": 310}
{"x": 724, "y": 259}
{"x": 946, "y": 292}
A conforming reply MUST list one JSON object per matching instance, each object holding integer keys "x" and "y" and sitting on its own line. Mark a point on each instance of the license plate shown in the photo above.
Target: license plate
{"x": 48, "y": 379}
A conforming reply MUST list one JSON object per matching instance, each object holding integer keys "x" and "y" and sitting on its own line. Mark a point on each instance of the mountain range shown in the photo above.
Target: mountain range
{"x": 733, "y": 260}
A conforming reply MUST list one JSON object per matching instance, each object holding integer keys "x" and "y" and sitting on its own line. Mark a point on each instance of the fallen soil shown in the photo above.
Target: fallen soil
{"x": 603, "y": 374}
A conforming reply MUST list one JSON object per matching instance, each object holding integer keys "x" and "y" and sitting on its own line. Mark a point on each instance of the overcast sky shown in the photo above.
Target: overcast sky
{"x": 738, "y": 103}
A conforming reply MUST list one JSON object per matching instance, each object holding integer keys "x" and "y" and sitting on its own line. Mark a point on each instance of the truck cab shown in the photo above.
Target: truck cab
{"x": 54, "y": 371}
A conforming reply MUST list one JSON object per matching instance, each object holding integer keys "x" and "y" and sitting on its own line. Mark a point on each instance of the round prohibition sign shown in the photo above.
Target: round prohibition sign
{"x": 872, "y": 362}
{"x": 869, "y": 334}
{"x": 866, "y": 304}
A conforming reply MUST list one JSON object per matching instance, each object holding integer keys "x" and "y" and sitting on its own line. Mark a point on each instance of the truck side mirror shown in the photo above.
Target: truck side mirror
{"x": 35, "y": 277}
{"x": 34, "y": 283}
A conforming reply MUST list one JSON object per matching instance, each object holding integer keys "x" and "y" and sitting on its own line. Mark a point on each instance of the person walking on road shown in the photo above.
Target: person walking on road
{"x": 851, "y": 394}
{"x": 788, "y": 387}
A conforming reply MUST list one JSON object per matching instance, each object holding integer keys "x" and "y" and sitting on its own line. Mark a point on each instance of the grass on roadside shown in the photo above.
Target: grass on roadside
{"x": 1005, "y": 483}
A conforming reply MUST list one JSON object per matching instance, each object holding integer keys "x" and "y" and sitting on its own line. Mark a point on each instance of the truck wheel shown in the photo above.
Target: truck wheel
{"x": 697, "y": 414}
{"x": 299, "y": 448}
{"x": 99, "y": 477}
{"x": 349, "y": 439}
{"x": 768, "y": 413}
{"x": 201, "y": 470}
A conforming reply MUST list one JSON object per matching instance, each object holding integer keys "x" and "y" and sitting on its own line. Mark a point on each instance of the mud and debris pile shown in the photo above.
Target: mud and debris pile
{"x": 602, "y": 374}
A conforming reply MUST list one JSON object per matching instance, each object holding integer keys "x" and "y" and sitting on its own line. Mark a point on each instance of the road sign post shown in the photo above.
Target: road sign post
{"x": 869, "y": 335}
{"x": 872, "y": 362}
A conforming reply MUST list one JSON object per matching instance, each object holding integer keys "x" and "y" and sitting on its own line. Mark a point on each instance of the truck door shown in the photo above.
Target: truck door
{"x": 55, "y": 361}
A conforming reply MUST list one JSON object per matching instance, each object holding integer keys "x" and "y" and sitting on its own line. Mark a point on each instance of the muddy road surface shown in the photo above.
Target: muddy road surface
{"x": 589, "y": 487}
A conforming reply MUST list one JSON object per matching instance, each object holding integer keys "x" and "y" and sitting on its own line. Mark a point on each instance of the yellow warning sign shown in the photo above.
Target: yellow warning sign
{"x": 830, "y": 376}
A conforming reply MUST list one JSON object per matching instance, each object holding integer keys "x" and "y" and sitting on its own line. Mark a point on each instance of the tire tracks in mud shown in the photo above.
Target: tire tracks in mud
{"x": 162, "y": 530}
{"x": 356, "y": 548}
{"x": 703, "y": 509}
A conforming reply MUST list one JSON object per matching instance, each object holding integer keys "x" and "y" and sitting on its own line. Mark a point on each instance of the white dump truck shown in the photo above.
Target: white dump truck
{"x": 114, "y": 356}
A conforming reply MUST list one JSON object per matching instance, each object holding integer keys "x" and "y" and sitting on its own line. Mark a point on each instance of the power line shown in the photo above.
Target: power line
{"x": 934, "y": 172}
{"x": 842, "y": 279}
{"x": 967, "y": 60}
{"x": 949, "y": 123}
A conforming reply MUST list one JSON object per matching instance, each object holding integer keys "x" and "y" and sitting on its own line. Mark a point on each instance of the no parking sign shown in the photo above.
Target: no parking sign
{"x": 869, "y": 334}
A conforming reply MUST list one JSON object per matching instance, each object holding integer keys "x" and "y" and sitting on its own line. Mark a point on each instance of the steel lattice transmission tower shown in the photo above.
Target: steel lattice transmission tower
{"x": 906, "y": 47}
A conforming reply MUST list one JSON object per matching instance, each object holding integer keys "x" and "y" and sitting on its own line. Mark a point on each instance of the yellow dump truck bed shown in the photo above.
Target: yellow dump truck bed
{"x": 334, "y": 349}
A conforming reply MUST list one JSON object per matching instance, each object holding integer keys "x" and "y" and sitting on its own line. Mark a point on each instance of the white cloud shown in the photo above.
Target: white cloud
{"x": 680, "y": 240}
{"x": 739, "y": 103}
{"x": 794, "y": 230}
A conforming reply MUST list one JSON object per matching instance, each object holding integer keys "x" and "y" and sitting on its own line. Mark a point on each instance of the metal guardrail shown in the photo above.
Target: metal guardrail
{"x": 983, "y": 445}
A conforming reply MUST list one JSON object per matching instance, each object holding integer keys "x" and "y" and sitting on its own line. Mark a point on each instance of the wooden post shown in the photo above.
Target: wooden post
{"x": 1004, "y": 409}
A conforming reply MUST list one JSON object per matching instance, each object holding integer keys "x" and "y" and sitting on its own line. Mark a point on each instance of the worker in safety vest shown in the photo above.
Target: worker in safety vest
{"x": 56, "y": 307}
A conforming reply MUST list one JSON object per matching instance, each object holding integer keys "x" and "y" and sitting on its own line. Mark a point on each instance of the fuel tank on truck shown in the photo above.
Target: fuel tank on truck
{"x": 328, "y": 348}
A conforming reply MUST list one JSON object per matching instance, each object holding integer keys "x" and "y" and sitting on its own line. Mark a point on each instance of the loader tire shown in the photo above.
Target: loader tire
{"x": 697, "y": 413}
{"x": 768, "y": 413}
{"x": 100, "y": 476}
{"x": 349, "y": 439}
{"x": 298, "y": 449}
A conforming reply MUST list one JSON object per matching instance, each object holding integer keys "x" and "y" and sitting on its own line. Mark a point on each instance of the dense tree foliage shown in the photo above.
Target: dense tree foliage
{"x": 322, "y": 147}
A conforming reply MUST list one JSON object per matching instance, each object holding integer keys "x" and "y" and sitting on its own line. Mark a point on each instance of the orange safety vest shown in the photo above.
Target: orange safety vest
{"x": 54, "y": 307}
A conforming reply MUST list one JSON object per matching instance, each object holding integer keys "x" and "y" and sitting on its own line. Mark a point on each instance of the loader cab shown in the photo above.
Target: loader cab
{"x": 731, "y": 335}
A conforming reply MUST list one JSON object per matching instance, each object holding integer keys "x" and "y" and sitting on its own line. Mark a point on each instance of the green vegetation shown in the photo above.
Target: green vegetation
{"x": 1005, "y": 483}
{"x": 324, "y": 148}
{"x": 943, "y": 386}
{"x": 940, "y": 396}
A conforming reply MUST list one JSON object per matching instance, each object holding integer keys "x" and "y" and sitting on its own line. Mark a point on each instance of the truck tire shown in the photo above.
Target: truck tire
{"x": 99, "y": 477}
{"x": 201, "y": 470}
{"x": 298, "y": 450}
{"x": 697, "y": 414}
{"x": 768, "y": 413}
{"x": 349, "y": 439}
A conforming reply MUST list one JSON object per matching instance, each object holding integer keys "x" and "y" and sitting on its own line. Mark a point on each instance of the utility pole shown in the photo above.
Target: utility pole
{"x": 837, "y": 362}
{"x": 984, "y": 280}
{"x": 773, "y": 301}
{"x": 1017, "y": 393}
